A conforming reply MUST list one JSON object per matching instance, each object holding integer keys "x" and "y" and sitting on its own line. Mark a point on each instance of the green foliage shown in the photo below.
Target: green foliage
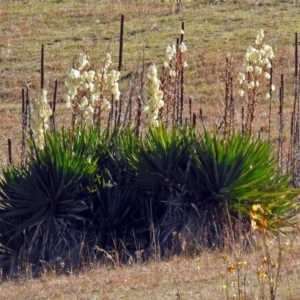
{"x": 118, "y": 218}
{"x": 42, "y": 202}
{"x": 162, "y": 155}
{"x": 161, "y": 165}
{"x": 116, "y": 191}
{"x": 162, "y": 162}
{"x": 117, "y": 206}
{"x": 230, "y": 176}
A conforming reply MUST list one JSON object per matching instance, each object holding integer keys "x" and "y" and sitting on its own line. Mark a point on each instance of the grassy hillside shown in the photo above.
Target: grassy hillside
{"x": 213, "y": 31}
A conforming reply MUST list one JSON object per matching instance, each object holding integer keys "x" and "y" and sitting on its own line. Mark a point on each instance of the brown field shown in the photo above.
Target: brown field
{"x": 214, "y": 30}
{"x": 67, "y": 28}
{"x": 204, "y": 276}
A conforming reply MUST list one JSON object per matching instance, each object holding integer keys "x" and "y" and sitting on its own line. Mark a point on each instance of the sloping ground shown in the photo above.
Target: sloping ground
{"x": 208, "y": 276}
{"x": 67, "y": 28}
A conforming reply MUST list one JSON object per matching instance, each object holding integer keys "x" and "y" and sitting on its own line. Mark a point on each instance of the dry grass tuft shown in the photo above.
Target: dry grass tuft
{"x": 204, "y": 276}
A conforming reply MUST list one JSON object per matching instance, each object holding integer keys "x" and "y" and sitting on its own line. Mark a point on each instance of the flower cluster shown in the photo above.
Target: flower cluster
{"x": 171, "y": 55}
{"x": 86, "y": 88}
{"x": 258, "y": 218}
{"x": 40, "y": 116}
{"x": 153, "y": 96}
{"x": 255, "y": 81}
{"x": 257, "y": 65}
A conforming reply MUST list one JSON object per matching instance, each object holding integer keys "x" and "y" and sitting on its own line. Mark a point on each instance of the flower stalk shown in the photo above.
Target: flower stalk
{"x": 88, "y": 90}
{"x": 40, "y": 116}
{"x": 153, "y": 96}
{"x": 256, "y": 73}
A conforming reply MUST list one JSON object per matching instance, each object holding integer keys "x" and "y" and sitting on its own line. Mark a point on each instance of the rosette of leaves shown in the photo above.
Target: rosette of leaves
{"x": 228, "y": 177}
{"x": 162, "y": 172}
{"x": 118, "y": 215}
{"x": 43, "y": 201}
{"x": 119, "y": 218}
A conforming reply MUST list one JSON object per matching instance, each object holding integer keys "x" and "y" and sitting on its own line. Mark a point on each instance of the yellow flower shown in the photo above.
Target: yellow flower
{"x": 270, "y": 262}
{"x": 241, "y": 263}
{"x": 258, "y": 218}
{"x": 225, "y": 257}
{"x": 261, "y": 275}
{"x": 256, "y": 207}
{"x": 231, "y": 268}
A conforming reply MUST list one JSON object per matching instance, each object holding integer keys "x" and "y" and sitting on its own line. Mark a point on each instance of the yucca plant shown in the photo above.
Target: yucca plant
{"x": 118, "y": 219}
{"x": 161, "y": 166}
{"x": 43, "y": 201}
{"x": 228, "y": 177}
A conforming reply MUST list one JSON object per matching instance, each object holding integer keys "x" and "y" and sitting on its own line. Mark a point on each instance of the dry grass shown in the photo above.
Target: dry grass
{"x": 66, "y": 28}
{"x": 69, "y": 27}
{"x": 202, "y": 276}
